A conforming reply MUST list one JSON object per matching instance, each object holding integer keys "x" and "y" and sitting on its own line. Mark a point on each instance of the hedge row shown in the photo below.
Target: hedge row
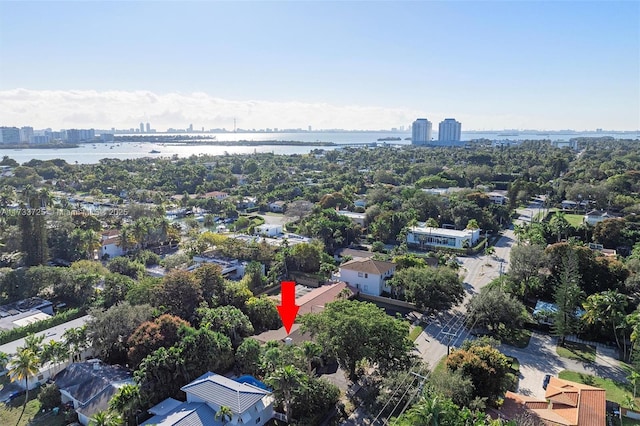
{"x": 36, "y": 327}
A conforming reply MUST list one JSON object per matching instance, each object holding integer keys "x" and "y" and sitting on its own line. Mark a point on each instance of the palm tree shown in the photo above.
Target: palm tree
{"x": 53, "y": 352}
{"x": 34, "y": 343}
{"x": 311, "y": 352}
{"x": 224, "y": 414}
{"x": 24, "y": 365}
{"x": 126, "y": 401}
{"x": 76, "y": 340}
{"x": 633, "y": 378}
{"x": 284, "y": 381}
{"x": 104, "y": 418}
{"x": 91, "y": 242}
{"x": 607, "y": 308}
{"x": 4, "y": 360}
{"x": 559, "y": 225}
{"x": 430, "y": 411}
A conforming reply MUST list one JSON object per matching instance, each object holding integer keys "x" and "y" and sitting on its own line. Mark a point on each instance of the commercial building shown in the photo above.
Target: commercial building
{"x": 80, "y": 135}
{"x": 421, "y": 132}
{"x": 26, "y": 134}
{"x": 9, "y": 135}
{"x": 426, "y": 237}
{"x": 449, "y": 130}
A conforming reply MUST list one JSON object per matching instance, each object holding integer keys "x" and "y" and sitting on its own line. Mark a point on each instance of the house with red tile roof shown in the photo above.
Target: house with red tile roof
{"x": 566, "y": 404}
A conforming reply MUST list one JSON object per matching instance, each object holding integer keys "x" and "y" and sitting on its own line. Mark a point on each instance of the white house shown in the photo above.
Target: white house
{"x": 595, "y": 216}
{"x": 110, "y": 244}
{"x": 277, "y": 206}
{"x": 358, "y": 218}
{"x": 49, "y": 369}
{"x": 367, "y": 275}
{"x": 268, "y": 230}
{"x": 425, "y": 237}
{"x": 218, "y": 195}
{"x": 497, "y": 197}
{"x": 249, "y": 404}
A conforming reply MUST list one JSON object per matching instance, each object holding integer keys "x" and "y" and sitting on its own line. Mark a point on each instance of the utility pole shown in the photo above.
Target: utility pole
{"x": 449, "y": 335}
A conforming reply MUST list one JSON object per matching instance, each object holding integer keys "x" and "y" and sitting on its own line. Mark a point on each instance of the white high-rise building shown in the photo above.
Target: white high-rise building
{"x": 26, "y": 134}
{"x": 449, "y": 130}
{"x": 421, "y": 132}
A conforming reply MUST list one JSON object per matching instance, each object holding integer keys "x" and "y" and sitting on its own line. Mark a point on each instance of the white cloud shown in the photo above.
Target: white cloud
{"x": 126, "y": 109}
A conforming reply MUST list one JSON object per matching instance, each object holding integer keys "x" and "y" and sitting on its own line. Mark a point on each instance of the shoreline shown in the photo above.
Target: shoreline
{"x": 43, "y": 146}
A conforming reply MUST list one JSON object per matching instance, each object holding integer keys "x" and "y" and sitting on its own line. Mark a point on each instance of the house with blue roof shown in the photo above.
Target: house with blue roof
{"x": 249, "y": 404}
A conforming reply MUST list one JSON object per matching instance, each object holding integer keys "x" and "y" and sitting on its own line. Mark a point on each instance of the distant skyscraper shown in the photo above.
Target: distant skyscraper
{"x": 421, "y": 132}
{"x": 26, "y": 134}
{"x": 191, "y": 127}
{"x": 141, "y": 127}
{"x": 9, "y": 135}
{"x": 148, "y": 128}
{"x": 449, "y": 130}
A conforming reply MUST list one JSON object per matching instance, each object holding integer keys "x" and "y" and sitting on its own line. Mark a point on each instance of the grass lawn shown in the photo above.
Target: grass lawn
{"x": 616, "y": 392}
{"x": 415, "y": 332}
{"x": 9, "y": 414}
{"x": 574, "y": 220}
{"x": 577, "y": 351}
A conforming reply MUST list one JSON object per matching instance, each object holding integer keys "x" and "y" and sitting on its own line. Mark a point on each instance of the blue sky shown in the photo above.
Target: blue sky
{"x": 363, "y": 64}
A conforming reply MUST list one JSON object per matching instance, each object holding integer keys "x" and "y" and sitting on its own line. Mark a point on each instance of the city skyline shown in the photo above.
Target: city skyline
{"x": 349, "y": 65}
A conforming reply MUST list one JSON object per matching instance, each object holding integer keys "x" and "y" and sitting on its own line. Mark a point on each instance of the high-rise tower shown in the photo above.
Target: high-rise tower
{"x": 421, "y": 132}
{"x": 449, "y": 130}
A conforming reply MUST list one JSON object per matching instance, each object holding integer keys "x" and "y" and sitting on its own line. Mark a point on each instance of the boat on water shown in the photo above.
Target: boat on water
{"x": 154, "y": 151}
{"x": 389, "y": 139}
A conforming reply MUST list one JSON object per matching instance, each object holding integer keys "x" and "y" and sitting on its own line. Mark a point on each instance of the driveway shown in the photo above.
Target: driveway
{"x": 540, "y": 358}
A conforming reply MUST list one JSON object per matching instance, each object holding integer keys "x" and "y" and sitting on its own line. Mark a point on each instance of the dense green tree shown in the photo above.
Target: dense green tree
{"x": 566, "y": 296}
{"x": 228, "y": 320}
{"x": 205, "y": 350}
{"x": 248, "y": 357}
{"x": 493, "y": 308}
{"x": 125, "y": 266}
{"x": 431, "y": 289}
{"x": 486, "y": 367}
{"x": 179, "y": 293}
{"x": 116, "y": 287}
{"x": 525, "y": 266}
{"x": 355, "y": 331}
{"x": 109, "y": 330}
{"x": 161, "y": 375}
{"x": 209, "y": 276}
{"x": 262, "y": 313}
{"x": 152, "y": 335}
{"x": 315, "y": 398}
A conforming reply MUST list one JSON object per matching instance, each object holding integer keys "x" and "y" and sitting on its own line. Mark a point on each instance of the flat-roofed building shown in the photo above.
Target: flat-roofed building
{"x": 426, "y": 237}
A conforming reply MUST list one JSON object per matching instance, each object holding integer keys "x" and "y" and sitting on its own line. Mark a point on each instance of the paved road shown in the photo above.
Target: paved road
{"x": 478, "y": 271}
{"x": 540, "y": 358}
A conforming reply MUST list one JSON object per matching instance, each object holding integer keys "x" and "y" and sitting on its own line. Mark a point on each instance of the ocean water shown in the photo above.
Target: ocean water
{"x": 92, "y": 153}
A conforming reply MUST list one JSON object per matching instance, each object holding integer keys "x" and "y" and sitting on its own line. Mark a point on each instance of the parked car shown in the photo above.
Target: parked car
{"x": 14, "y": 395}
{"x": 545, "y": 382}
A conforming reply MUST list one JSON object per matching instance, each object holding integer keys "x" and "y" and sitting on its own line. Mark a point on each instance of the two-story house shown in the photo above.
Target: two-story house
{"x": 367, "y": 275}
{"x": 249, "y": 404}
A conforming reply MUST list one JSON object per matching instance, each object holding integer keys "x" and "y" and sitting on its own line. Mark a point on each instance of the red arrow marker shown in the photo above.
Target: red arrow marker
{"x": 287, "y": 307}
